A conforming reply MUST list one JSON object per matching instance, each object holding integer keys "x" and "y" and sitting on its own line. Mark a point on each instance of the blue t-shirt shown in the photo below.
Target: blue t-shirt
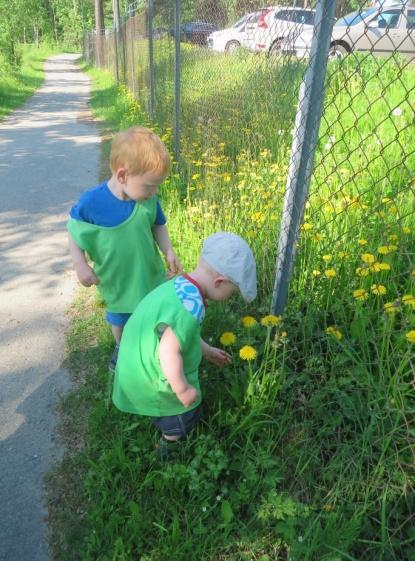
{"x": 99, "y": 206}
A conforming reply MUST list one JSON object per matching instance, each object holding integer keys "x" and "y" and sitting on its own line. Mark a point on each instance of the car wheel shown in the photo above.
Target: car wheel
{"x": 232, "y": 46}
{"x": 337, "y": 52}
{"x": 275, "y": 48}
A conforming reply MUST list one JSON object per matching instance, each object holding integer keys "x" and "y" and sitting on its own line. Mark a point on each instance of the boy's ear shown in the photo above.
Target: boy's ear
{"x": 122, "y": 175}
{"x": 219, "y": 280}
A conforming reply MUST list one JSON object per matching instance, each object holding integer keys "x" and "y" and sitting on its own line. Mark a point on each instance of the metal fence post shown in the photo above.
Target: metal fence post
{"x": 151, "y": 59}
{"x": 307, "y": 122}
{"x": 177, "y": 63}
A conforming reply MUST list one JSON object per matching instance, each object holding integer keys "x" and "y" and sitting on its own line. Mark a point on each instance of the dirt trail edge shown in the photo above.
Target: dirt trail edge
{"x": 49, "y": 153}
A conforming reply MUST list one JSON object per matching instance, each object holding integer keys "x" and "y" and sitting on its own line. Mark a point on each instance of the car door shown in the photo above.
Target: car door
{"x": 407, "y": 23}
{"x": 383, "y": 34}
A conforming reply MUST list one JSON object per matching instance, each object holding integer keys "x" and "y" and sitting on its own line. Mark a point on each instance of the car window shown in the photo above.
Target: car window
{"x": 255, "y": 17}
{"x": 387, "y": 19}
{"x": 356, "y": 17}
{"x": 308, "y": 18}
{"x": 285, "y": 15}
{"x": 410, "y": 19}
{"x": 240, "y": 22}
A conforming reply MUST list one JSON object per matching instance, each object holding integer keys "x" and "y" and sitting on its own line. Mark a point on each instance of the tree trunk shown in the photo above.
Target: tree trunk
{"x": 100, "y": 31}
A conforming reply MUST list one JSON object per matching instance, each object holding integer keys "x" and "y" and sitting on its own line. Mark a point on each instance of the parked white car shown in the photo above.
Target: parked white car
{"x": 231, "y": 38}
{"x": 277, "y": 24}
{"x": 380, "y": 30}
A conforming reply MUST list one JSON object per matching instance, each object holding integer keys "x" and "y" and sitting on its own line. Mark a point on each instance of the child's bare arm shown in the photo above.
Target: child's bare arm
{"x": 84, "y": 272}
{"x": 171, "y": 363}
{"x": 161, "y": 235}
{"x": 215, "y": 355}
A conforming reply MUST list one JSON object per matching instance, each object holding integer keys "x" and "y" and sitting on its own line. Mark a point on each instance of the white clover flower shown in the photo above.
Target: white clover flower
{"x": 397, "y": 112}
{"x": 204, "y": 508}
{"x": 218, "y": 497}
{"x": 300, "y": 539}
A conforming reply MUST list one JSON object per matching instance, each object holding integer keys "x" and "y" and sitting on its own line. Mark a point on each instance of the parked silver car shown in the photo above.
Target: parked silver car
{"x": 380, "y": 30}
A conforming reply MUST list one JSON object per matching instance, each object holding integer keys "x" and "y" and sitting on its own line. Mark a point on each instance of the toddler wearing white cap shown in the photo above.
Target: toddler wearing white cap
{"x": 161, "y": 348}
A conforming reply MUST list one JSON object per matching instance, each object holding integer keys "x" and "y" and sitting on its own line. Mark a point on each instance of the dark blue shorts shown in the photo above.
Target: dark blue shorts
{"x": 178, "y": 425}
{"x": 118, "y": 319}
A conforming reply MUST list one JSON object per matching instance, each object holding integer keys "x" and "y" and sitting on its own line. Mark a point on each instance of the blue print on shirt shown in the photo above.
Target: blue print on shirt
{"x": 190, "y": 297}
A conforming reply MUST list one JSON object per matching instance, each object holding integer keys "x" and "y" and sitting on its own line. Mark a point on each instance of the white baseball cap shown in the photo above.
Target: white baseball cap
{"x": 230, "y": 255}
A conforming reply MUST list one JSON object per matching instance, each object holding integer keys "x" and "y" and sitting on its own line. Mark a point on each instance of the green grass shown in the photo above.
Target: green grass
{"x": 16, "y": 85}
{"x": 305, "y": 453}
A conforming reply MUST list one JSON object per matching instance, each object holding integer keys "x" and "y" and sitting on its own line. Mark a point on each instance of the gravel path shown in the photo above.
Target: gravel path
{"x": 49, "y": 153}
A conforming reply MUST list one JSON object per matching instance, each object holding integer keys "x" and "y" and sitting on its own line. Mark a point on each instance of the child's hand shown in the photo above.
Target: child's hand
{"x": 217, "y": 356}
{"x": 188, "y": 396}
{"x": 86, "y": 275}
{"x": 173, "y": 262}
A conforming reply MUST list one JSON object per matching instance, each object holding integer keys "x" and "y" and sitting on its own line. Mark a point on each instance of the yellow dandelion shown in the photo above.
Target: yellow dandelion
{"x": 270, "y": 320}
{"x": 330, "y": 273}
{"x": 362, "y": 271}
{"x": 306, "y": 226}
{"x": 316, "y": 272}
{"x": 409, "y": 299}
{"x": 368, "y": 258}
{"x": 247, "y": 353}
{"x": 410, "y": 336}
{"x": 391, "y": 307}
{"x": 393, "y": 238}
{"x": 378, "y": 289}
{"x": 362, "y": 242}
{"x": 360, "y": 294}
{"x": 384, "y": 266}
{"x": 327, "y": 258}
{"x": 332, "y": 330}
{"x": 375, "y": 268}
{"x": 343, "y": 254}
{"x": 318, "y": 237}
{"x": 406, "y": 230}
{"x": 248, "y": 321}
{"x": 228, "y": 338}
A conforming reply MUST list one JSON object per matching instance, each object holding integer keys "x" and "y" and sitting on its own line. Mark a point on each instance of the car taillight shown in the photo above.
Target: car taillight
{"x": 261, "y": 20}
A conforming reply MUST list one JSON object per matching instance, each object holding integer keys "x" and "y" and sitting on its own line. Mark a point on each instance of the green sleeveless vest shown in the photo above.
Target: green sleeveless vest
{"x": 126, "y": 258}
{"x": 140, "y": 386}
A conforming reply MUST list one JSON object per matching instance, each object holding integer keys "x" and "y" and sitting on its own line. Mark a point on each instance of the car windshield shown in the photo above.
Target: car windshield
{"x": 356, "y": 17}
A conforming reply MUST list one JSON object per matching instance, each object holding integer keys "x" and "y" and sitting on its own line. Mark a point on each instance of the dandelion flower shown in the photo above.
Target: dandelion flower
{"x": 362, "y": 242}
{"x": 318, "y": 237}
{"x": 271, "y": 321}
{"x": 410, "y": 336}
{"x": 307, "y": 226}
{"x": 228, "y": 338}
{"x": 368, "y": 258}
{"x": 330, "y": 273}
{"x": 384, "y": 266}
{"x": 248, "y": 321}
{"x": 327, "y": 258}
{"x": 378, "y": 289}
{"x": 247, "y": 353}
{"x": 393, "y": 238}
{"x": 343, "y": 254}
{"x": 409, "y": 299}
{"x": 334, "y": 332}
{"x": 316, "y": 272}
{"x": 362, "y": 271}
{"x": 406, "y": 230}
{"x": 360, "y": 294}
{"x": 391, "y": 307}
{"x": 385, "y": 249}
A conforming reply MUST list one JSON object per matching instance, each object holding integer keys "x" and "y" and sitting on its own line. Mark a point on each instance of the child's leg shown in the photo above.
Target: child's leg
{"x": 117, "y": 322}
{"x": 177, "y": 427}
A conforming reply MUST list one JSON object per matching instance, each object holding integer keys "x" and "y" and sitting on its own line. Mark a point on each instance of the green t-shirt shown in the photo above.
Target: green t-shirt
{"x": 140, "y": 386}
{"x": 126, "y": 258}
